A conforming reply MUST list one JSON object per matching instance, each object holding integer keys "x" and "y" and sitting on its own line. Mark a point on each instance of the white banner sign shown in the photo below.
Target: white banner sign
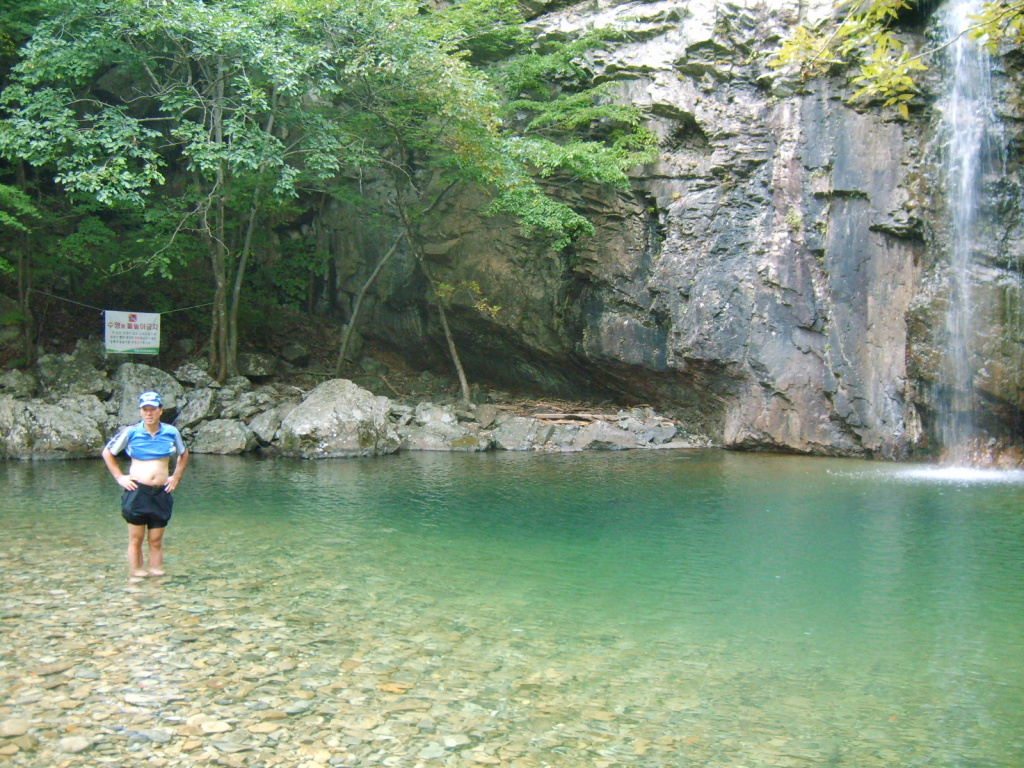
{"x": 136, "y": 333}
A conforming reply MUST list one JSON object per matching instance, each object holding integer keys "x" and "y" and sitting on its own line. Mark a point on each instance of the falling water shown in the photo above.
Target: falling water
{"x": 969, "y": 124}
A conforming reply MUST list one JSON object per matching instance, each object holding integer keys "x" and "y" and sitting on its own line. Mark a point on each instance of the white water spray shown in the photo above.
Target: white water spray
{"x": 969, "y": 124}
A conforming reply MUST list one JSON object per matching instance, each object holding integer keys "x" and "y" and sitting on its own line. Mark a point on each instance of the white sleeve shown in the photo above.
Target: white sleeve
{"x": 119, "y": 441}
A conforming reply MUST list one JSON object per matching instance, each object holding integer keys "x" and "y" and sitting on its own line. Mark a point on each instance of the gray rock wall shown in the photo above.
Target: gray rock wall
{"x": 776, "y": 279}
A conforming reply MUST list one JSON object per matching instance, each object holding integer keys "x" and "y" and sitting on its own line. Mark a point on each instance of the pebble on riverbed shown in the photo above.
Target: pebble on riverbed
{"x": 230, "y": 669}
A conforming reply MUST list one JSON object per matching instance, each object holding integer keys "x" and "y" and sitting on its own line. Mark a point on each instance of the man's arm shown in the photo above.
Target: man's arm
{"x": 125, "y": 481}
{"x": 179, "y": 469}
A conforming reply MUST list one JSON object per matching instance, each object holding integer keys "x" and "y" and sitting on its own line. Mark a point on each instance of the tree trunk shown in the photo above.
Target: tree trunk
{"x": 414, "y": 240}
{"x": 452, "y": 349}
{"x": 243, "y": 261}
{"x": 346, "y": 334}
{"x": 28, "y": 329}
{"x": 28, "y": 344}
{"x": 407, "y": 220}
{"x": 236, "y": 289}
{"x": 219, "y": 321}
{"x": 222, "y": 363}
{"x": 463, "y": 384}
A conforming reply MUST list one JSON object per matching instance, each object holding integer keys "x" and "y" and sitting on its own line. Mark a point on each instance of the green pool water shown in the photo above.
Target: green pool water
{"x": 720, "y": 608}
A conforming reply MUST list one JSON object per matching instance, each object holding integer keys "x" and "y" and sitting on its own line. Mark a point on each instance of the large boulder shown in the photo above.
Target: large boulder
{"x": 199, "y": 405}
{"x": 18, "y": 383}
{"x": 73, "y": 374}
{"x": 92, "y": 408}
{"x": 248, "y": 404}
{"x": 33, "y": 430}
{"x": 194, "y": 373}
{"x": 600, "y": 435}
{"x": 295, "y": 354}
{"x": 266, "y": 424}
{"x": 338, "y": 419}
{"x": 132, "y": 379}
{"x": 257, "y": 365}
{"x": 564, "y": 438}
{"x": 223, "y": 436}
{"x": 437, "y": 428}
{"x": 646, "y": 426}
{"x": 519, "y": 433}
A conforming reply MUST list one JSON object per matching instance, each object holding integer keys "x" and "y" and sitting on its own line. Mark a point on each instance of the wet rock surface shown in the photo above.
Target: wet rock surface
{"x": 777, "y": 278}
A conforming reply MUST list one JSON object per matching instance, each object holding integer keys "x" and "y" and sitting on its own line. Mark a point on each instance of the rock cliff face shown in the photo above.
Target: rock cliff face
{"x": 776, "y": 280}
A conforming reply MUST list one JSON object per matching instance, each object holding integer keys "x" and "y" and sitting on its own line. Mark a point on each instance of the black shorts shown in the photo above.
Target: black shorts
{"x": 147, "y": 505}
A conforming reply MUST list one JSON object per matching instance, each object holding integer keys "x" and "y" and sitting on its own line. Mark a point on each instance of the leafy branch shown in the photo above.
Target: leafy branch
{"x": 861, "y": 36}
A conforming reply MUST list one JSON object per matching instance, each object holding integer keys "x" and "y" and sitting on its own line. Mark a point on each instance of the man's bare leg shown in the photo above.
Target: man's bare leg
{"x": 136, "y": 533}
{"x": 156, "y": 551}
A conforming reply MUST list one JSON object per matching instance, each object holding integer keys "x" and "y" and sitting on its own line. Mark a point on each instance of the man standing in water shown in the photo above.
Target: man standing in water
{"x": 146, "y": 502}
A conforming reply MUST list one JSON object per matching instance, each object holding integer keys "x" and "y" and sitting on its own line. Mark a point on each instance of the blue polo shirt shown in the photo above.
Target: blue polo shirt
{"x": 143, "y": 446}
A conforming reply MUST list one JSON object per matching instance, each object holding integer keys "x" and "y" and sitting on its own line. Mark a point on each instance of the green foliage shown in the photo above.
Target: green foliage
{"x": 282, "y": 274}
{"x": 92, "y": 243}
{"x": 446, "y": 292}
{"x": 861, "y": 36}
{"x": 17, "y": 213}
{"x": 887, "y": 75}
{"x": 188, "y": 65}
{"x": 156, "y": 131}
{"x": 539, "y": 215}
{"x": 18, "y": 20}
{"x": 13, "y": 317}
{"x": 16, "y": 209}
{"x": 561, "y": 125}
{"x": 1000, "y": 23}
{"x": 551, "y": 98}
{"x": 104, "y": 154}
{"x": 794, "y": 219}
{"x": 305, "y": 90}
{"x": 485, "y": 30}
{"x": 540, "y": 74}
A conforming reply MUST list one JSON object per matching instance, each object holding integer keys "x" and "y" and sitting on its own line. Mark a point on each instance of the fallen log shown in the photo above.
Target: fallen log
{"x": 573, "y": 416}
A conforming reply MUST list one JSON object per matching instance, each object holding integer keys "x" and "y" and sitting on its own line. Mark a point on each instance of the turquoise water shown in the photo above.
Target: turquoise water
{"x": 720, "y": 608}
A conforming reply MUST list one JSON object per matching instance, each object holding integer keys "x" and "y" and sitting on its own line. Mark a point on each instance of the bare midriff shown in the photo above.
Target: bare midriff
{"x": 150, "y": 471}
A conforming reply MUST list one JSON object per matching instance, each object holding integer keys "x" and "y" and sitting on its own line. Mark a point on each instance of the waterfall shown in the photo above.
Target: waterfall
{"x": 969, "y": 127}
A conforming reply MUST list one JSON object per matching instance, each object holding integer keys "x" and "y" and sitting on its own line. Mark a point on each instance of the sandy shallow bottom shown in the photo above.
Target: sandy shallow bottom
{"x": 195, "y": 668}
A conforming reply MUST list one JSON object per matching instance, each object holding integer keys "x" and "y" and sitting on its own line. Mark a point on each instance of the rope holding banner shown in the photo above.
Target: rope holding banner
{"x": 133, "y": 333}
{"x": 89, "y": 306}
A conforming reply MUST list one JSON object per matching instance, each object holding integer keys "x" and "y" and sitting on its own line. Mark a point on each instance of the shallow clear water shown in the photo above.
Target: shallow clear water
{"x": 711, "y": 608}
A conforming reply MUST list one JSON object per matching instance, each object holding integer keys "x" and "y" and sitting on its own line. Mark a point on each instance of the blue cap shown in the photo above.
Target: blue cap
{"x": 150, "y": 398}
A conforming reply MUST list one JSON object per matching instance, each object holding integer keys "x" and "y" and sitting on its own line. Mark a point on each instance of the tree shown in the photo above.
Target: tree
{"x": 17, "y": 215}
{"x": 220, "y": 112}
{"x": 542, "y": 118}
{"x": 18, "y": 19}
{"x": 435, "y": 124}
{"x": 116, "y": 96}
